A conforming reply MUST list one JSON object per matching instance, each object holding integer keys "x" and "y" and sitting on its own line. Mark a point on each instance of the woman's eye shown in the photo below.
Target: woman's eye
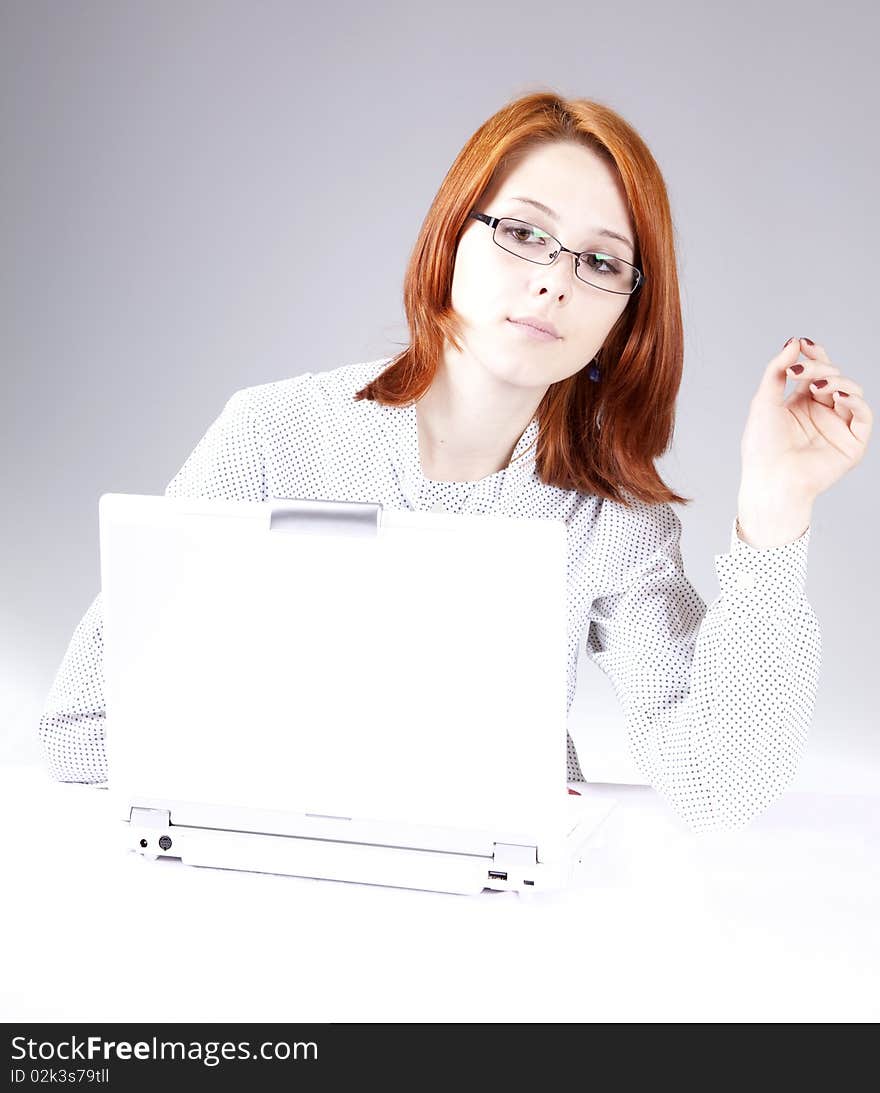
{"x": 526, "y": 235}
{"x": 602, "y": 263}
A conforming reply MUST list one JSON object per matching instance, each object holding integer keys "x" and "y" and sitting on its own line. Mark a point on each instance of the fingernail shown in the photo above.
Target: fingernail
{"x": 807, "y": 340}
{"x": 797, "y": 369}
{"x": 788, "y": 343}
{"x": 819, "y": 383}
{"x": 843, "y": 394}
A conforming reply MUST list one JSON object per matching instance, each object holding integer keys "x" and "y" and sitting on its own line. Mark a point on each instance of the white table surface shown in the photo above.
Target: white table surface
{"x": 779, "y": 922}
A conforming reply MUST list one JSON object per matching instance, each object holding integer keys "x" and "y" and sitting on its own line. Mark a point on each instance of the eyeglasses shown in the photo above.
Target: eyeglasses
{"x": 534, "y": 245}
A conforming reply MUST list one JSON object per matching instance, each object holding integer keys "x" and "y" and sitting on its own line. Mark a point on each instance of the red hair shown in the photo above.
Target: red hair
{"x": 600, "y": 438}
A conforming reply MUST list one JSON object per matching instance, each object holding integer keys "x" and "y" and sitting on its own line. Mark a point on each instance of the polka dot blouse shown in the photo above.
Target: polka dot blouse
{"x": 718, "y": 702}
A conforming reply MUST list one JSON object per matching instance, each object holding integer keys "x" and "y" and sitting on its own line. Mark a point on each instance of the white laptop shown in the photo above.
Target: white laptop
{"x": 340, "y": 690}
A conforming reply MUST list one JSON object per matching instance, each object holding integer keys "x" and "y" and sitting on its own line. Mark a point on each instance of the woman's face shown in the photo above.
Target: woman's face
{"x": 490, "y": 286}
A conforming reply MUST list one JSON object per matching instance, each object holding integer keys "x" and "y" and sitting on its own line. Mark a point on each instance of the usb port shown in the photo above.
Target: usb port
{"x": 495, "y": 875}
{"x": 528, "y": 882}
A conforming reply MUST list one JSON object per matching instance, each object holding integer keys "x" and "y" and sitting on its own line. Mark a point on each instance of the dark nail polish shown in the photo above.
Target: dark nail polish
{"x": 788, "y": 343}
{"x": 843, "y": 394}
{"x": 807, "y": 340}
{"x": 797, "y": 368}
{"x": 820, "y": 383}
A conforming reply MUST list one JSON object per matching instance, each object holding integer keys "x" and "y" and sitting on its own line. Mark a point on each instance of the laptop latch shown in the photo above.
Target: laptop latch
{"x": 306, "y": 517}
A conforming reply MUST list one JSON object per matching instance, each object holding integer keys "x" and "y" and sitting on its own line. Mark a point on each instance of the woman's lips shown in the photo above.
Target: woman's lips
{"x": 533, "y": 332}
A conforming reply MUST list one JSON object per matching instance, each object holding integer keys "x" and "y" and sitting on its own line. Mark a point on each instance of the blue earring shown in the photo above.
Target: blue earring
{"x": 594, "y": 372}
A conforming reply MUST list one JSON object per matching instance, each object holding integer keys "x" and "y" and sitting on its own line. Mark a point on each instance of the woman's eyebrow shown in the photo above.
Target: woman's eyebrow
{"x": 549, "y": 212}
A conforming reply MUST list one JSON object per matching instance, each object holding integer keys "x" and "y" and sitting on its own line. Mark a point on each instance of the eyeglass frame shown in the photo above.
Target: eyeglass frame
{"x": 494, "y": 221}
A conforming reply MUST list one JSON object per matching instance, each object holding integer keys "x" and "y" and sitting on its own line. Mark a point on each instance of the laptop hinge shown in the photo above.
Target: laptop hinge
{"x": 150, "y": 817}
{"x": 306, "y": 517}
{"x": 514, "y": 854}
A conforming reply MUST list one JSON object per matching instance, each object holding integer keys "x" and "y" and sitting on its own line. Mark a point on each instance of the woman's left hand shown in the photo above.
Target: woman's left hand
{"x": 796, "y": 448}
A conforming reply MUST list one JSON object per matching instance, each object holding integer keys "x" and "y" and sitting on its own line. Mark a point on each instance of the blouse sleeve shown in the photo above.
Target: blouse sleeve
{"x": 226, "y": 463}
{"x": 718, "y": 702}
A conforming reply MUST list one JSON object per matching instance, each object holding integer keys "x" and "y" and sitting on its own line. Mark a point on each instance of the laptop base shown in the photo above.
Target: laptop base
{"x": 510, "y": 868}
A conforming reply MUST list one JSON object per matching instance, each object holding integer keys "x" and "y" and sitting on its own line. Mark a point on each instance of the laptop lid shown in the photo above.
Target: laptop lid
{"x": 336, "y": 659}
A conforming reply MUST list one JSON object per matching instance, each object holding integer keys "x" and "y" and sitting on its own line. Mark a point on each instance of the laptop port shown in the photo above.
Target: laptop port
{"x": 528, "y": 882}
{"x": 495, "y": 875}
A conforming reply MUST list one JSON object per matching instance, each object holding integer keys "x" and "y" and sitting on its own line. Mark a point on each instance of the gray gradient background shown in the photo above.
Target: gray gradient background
{"x": 184, "y": 183}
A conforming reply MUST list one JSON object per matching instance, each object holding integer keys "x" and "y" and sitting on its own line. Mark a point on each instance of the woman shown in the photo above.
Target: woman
{"x": 540, "y": 381}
